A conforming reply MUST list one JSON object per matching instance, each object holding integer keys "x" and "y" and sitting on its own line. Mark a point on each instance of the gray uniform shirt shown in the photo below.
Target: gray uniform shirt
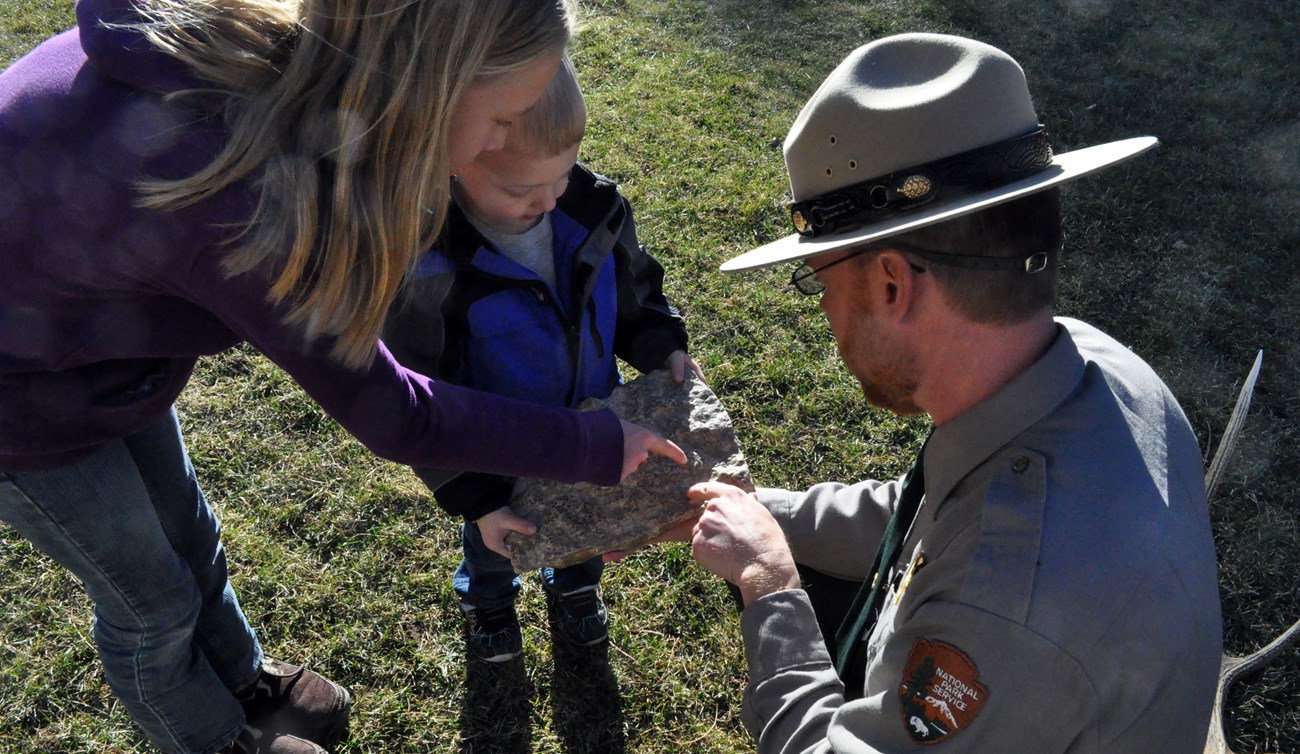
{"x": 1057, "y": 593}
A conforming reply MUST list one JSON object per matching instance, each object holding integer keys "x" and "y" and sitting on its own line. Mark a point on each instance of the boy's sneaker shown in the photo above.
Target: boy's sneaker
{"x": 578, "y": 617}
{"x": 290, "y": 702}
{"x": 494, "y": 633}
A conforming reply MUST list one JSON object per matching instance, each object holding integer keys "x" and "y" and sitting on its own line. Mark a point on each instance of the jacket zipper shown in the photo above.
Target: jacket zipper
{"x": 572, "y": 333}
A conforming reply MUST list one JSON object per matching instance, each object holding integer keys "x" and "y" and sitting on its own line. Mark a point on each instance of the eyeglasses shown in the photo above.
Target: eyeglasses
{"x": 804, "y": 279}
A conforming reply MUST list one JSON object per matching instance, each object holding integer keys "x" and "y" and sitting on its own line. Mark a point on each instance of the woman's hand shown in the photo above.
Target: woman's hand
{"x": 494, "y": 526}
{"x": 639, "y": 443}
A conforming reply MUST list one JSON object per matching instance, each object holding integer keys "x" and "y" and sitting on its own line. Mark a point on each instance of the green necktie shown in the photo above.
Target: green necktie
{"x": 862, "y": 615}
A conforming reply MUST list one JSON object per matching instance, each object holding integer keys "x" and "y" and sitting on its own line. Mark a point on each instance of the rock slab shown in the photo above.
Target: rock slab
{"x": 578, "y": 521}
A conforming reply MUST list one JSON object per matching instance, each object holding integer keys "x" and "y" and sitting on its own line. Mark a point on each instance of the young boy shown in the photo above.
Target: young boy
{"x": 536, "y": 284}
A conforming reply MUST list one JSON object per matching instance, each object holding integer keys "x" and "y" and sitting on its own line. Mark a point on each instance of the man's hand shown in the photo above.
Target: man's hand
{"x": 494, "y": 526}
{"x": 639, "y": 443}
{"x": 738, "y": 539}
{"x": 678, "y": 363}
{"x": 680, "y": 533}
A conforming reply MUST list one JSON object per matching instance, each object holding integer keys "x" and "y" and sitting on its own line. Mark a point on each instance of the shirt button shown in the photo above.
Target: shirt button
{"x": 1020, "y": 464}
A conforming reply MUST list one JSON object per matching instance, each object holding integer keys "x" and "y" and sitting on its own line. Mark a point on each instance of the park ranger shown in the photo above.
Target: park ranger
{"x": 1043, "y": 579}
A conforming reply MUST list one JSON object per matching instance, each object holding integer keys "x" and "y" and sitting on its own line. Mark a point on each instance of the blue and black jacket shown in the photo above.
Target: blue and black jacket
{"x": 472, "y": 316}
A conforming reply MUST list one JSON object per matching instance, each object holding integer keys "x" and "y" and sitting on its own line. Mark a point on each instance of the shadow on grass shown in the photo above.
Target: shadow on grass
{"x": 496, "y": 716}
{"x": 584, "y": 696}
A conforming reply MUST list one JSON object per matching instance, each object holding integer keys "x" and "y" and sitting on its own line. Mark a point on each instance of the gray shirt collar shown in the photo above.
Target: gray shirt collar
{"x": 962, "y": 444}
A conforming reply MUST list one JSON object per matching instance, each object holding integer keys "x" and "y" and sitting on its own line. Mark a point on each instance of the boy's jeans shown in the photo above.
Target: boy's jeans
{"x": 132, "y": 524}
{"x": 487, "y": 579}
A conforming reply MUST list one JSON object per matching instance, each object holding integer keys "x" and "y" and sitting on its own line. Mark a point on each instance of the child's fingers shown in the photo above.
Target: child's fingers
{"x": 678, "y": 362}
{"x": 519, "y": 524}
{"x": 677, "y": 365}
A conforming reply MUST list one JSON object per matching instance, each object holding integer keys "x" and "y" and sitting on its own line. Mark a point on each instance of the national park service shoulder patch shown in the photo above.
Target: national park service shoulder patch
{"x": 940, "y": 692}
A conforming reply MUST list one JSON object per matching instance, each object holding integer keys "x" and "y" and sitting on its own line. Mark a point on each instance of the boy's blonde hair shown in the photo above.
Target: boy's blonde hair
{"x": 339, "y": 112}
{"x": 557, "y": 122}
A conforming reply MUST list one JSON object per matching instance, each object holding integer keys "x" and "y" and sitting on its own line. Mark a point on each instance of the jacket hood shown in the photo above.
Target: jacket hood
{"x": 123, "y": 54}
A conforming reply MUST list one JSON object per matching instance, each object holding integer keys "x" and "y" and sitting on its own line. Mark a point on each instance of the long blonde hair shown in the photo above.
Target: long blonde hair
{"x": 339, "y": 113}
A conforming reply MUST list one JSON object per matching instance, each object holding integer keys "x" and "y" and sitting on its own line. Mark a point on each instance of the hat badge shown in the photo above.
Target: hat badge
{"x": 801, "y": 222}
{"x": 915, "y": 187}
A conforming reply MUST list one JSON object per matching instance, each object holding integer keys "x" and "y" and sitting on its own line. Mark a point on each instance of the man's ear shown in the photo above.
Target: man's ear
{"x": 897, "y": 278}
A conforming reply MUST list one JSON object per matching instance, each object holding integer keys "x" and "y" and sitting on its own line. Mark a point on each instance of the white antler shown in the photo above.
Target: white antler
{"x": 1230, "y": 671}
{"x": 1236, "y": 421}
{"x": 1234, "y": 668}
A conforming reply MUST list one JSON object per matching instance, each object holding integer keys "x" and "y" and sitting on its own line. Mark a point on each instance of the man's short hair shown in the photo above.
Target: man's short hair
{"x": 559, "y": 119}
{"x": 1017, "y": 228}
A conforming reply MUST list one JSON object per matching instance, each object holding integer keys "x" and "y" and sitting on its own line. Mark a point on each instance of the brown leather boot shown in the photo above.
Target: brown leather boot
{"x": 291, "y": 701}
{"x": 254, "y": 741}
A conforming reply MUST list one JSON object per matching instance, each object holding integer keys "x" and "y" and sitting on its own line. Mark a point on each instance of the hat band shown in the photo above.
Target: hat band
{"x": 888, "y": 195}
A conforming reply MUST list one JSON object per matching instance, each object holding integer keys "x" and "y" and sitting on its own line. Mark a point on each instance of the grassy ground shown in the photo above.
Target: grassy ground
{"x": 1188, "y": 255}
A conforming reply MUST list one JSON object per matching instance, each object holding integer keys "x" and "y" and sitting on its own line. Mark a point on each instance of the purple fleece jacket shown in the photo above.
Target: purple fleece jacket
{"x": 105, "y": 307}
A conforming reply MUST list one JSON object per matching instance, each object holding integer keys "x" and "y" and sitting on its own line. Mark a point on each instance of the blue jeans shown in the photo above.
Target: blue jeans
{"x": 487, "y": 579}
{"x": 132, "y": 524}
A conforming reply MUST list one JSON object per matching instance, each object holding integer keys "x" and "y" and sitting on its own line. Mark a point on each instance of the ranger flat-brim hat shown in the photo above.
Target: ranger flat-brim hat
{"x": 913, "y": 130}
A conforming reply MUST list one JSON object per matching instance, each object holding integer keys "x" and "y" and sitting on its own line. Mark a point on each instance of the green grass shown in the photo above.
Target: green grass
{"x": 1188, "y": 255}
